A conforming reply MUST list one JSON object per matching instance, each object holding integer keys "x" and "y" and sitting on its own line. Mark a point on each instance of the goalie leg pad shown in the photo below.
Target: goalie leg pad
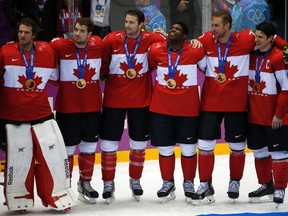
{"x": 19, "y": 173}
{"x": 52, "y": 171}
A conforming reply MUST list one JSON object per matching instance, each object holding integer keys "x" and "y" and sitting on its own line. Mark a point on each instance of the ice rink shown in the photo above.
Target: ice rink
{"x": 125, "y": 205}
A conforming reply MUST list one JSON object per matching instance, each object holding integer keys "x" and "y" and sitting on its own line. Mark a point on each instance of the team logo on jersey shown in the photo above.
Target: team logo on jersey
{"x": 30, "y": 84}
{"x": 177, "y": 81}
{"x": 89, "y": 73}
{"x": 257, "y": 87}
{"x": 131, "y": 74}
{"x": 229, "y": 70}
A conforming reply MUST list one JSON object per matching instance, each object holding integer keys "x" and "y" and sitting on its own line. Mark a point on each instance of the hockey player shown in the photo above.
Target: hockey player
{"x": 79, "y": 100}
{"x": 34, "y": 144}
{"x": 127, "y": 91}
{"x": 267, "y": 115}
{"x": 224, "y": 97}
{"x": 175, "y": 107}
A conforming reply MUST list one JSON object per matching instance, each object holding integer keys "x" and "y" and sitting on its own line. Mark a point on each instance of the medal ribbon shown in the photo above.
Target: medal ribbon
{"x": 130, "y": 59}
{"x": 222, "y": 60}
{"x": 29, "y": 68}
{"x": 172, "y": 69}
{"x": 258, "y": 69}
{"x": 81, "y": 66}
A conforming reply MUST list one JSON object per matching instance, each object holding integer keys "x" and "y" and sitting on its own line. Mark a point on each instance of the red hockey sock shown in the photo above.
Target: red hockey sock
{"x": 237, "y": 162}
{"x": 136, "y": 163}
{"x": 86, "y": 166}
{"x": 280, "y": 171}
{"x": 189, "y": 165}
{"x": 263, "y": 168}
{"x": 108, "y": 165}
{"x": 167, "y": 167}
{"x": 206, "y": 165}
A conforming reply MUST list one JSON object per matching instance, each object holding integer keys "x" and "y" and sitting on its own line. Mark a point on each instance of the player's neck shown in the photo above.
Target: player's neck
{"x": 175, "y": 45}
{"x": 26, "y": 47}
{"x": 224, "y": 39}
{"x": 265, "y": 49}
{"x": 134, "y": 35}
{"x": 81, "y": 45}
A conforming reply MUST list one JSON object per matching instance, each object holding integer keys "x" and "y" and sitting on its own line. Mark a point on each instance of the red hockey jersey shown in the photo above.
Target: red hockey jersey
{"x": 71, "y": 99}
{"x": 183, "y": 100}
{"x": 272, "y": 96}
{"x": 230, "y": 95}
{"x": 19, "y": 103}
{"x": 120, "y": 91}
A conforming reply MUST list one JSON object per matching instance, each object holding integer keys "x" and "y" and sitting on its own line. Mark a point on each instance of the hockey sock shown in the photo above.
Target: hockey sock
{"x": 206, "y": 165}
{"x": 108, "y": 165}
{"x": 237, "y": 162}
{"x": 280, "y": 171}
{"x": 263, "y": 168}
{"x": 136, "y": 163}
{"x": 189, "y": 165}
{"x": 86, "y": 166}
{"x": 167, "y": 167}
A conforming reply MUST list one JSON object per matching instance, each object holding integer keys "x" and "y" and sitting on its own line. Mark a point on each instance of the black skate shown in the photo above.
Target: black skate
{"x": 260, "y": 194}
{"x": 108, "y": 192}
{"x": 188, "y": 186}
{"x": 86, "y": 192}
{"x": 204, "y": 194}
{"x": 136, "y": 188}
{"x": 278, "y": 197}
{"x": 233, "y": 189}
{"x": 167, "y": 192}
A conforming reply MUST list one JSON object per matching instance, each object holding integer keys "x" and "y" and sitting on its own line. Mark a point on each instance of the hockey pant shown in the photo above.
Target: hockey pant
{"x": 39, "y": 151}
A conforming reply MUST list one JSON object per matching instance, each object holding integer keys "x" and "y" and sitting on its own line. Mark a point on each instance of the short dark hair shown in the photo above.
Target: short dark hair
{"x": 137, "y": 13}
{"x": 87, "y": 22}
{"x": 29, "y": 22}
{"x": 267, "y": 28}
{"x": 185, "y": 28}
{"x": 225, "y": 15}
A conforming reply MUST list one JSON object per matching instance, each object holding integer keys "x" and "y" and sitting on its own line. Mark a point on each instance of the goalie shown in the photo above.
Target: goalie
{"x": 33, "y": 142}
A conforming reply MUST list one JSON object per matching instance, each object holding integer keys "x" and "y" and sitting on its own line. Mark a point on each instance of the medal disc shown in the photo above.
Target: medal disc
{"x": 256, "y": 87}
{"x": 221, "y": 77}
{"x": 131, "y": 73}
{"x": 81, "y": 83}
{"x": 30, "y": 84}
{"x": 171, "y": 83}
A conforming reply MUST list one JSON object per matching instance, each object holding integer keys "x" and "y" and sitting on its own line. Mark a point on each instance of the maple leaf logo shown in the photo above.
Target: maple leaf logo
{"x": 89, "y": 72}
{"x": 137, "y": 67}
{"x": 229, "y": 70}
{"x": 22, "y": 79}
{"x": 262, "y": 86}
{"x": 179, "y": 79}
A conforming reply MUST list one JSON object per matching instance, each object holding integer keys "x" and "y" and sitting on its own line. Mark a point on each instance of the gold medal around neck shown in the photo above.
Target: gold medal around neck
{"x": 171, "y": 83}
{"x": 256, "y": 87}
{"x": 221, "y": 77}
{"x": 131, "y": 73}
{"x": 30, "y": 84}
{"x": 81, "y": 83}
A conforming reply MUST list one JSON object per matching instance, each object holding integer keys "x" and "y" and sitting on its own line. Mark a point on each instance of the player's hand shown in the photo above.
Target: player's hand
{"x": 196, "y": 43}
{"x": 161, "y": 31}
{"x": 276, "y": 122}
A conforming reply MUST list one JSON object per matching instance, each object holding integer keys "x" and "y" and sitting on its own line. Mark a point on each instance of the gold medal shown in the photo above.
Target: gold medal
{"x": 256, "y": 87}
{"x": 131, "y": 73}
{"x": 221, "y": 77}
{"x": 30, "y": 84}
{"x": 81, "y": 83}
{"x": 171, "y": 83}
